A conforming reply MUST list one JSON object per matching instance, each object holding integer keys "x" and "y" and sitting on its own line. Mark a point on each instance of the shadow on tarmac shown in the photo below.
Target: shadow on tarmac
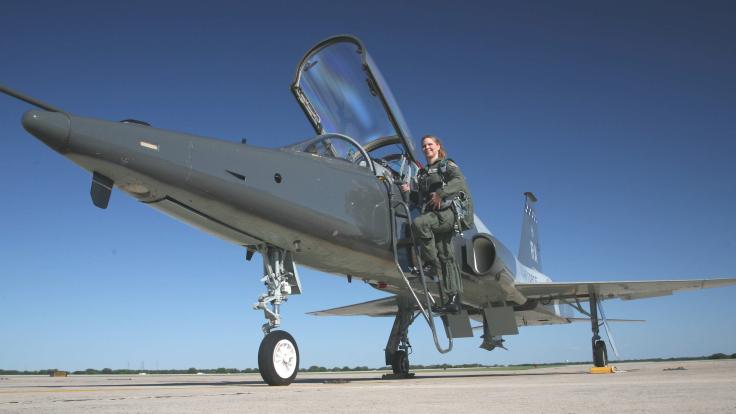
{"x": 320, "y": 380}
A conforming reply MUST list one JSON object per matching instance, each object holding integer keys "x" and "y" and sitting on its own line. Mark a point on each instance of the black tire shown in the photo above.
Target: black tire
{"x": 600, "y": 354}
{"x": 400, "y": 362}
{"x": 278, "y": 358}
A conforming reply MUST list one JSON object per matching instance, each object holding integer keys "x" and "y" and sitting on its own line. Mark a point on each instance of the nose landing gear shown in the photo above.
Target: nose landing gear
{"x": 278, "y": 355}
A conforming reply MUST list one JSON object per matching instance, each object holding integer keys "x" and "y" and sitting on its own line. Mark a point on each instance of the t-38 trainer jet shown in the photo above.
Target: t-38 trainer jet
{"x": 333, "y": 203}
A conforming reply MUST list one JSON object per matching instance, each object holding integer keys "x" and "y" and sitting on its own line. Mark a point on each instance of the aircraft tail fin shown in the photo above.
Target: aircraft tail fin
{"x": 529, "y": 252}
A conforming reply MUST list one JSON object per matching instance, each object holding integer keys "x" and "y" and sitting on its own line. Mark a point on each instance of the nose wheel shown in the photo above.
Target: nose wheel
{"x": 278, "y": 358}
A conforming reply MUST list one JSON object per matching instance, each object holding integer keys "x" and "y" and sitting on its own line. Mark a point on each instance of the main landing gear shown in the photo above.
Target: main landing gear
{"x": 600, "y": 354}
{"x": 398, "y": 346}
{"x": 278, "y": 355}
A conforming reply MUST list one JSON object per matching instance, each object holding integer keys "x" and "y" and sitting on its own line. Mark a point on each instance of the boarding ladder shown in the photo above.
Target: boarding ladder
{"x": 401, "y": 214}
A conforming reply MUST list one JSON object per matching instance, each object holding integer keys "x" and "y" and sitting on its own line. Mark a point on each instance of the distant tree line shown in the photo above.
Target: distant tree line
{"x": 315, "y": 368}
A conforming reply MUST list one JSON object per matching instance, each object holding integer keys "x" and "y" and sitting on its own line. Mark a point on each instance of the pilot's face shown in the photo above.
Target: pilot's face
{"x": 430, "y": 149}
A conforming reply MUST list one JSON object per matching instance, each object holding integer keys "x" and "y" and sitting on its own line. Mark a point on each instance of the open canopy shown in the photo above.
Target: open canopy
{"x": 342, "y": 92}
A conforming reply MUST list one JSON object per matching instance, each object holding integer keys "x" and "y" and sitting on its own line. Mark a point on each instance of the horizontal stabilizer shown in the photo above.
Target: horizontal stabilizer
{"x": 626, "y": 290}
{"x": 379, "y": 307}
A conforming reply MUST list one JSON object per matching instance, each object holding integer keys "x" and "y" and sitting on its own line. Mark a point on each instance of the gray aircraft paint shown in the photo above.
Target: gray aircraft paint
{"x": 334, "y": 211}
{"x": 325, "y": 204}
{"x": 332, "y": 214}
{"x": 337, "y": 211}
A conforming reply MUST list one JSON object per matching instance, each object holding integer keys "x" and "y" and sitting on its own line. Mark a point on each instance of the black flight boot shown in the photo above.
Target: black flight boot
{"x": 452, "y": 305}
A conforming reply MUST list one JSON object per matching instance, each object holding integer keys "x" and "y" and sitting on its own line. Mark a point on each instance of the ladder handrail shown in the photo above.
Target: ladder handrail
{"x": 426, "y": 313}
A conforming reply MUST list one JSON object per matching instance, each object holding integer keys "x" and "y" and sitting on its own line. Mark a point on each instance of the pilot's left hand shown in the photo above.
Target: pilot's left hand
{"x": 435, "y": 201}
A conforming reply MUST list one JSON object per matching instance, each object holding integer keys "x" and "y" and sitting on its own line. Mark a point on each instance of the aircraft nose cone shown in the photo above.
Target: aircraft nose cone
{"x": 50, "y": 127}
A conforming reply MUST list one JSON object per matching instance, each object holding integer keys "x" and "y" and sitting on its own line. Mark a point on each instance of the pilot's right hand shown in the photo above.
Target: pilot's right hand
{"x": 435, "y": 201}
{"x": 405, "y": 187}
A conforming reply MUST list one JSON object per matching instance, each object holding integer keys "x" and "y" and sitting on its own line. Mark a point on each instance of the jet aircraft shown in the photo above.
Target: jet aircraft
{"x": 333, "y": 203}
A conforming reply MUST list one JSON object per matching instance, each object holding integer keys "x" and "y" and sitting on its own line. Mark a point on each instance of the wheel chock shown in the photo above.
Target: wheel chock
{"x": 608, "y": 369}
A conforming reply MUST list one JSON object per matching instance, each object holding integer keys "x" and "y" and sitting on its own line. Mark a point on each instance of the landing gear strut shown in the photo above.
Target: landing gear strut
{"x": 278, "y": 355}
{"x": 398, "y": 346}
{"x": 600, "y": 354}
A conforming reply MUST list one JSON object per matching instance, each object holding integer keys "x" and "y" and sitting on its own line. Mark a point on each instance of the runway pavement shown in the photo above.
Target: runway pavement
{"x": 701, "y": 387}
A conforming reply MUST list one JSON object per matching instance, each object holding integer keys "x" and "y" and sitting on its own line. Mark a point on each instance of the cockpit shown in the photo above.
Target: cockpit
{"x": 352, "y": 109}
{"x": 383, "y": 156}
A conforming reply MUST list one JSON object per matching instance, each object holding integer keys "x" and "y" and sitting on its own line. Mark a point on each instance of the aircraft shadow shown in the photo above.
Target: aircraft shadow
{"x": 319, "y": 380}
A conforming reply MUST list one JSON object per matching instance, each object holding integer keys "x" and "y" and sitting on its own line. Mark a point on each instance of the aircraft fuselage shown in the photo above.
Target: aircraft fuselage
{"x": 331, "y": 214}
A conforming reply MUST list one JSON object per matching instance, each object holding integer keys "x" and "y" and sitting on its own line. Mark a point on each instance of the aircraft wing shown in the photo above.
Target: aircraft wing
{"x": 617, "y": 290}
{"x": 379, "y": 307}
{"x": 626, "y": 290}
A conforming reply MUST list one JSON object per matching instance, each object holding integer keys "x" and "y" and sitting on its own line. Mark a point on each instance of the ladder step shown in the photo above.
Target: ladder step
{"x": 401, "y": 215}
{"x": 404, "y": 242}
{"x": 413, "y": 275}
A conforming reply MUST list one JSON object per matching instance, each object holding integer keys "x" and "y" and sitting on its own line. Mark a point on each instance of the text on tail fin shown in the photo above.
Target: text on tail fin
{"x": 529, "y": 252}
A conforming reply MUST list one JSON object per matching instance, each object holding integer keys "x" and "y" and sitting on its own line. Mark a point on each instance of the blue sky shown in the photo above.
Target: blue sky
{"x": 619, "y": 116}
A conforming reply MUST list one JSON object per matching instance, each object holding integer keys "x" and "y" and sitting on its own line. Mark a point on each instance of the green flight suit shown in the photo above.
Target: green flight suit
{"x": 434, "y": 229}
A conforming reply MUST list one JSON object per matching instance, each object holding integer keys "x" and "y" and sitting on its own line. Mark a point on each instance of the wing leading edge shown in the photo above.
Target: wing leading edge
{"x": 625, "y": 290}
{"x": 379, "y": 307}
{"x": 580, "y": 291}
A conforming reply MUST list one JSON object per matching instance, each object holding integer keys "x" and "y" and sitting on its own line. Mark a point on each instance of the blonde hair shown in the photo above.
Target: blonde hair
{"x": 441, "y": 153}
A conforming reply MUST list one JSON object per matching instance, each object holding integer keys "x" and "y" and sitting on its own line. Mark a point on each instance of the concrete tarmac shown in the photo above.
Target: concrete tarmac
{"x": 701, "y": 387}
